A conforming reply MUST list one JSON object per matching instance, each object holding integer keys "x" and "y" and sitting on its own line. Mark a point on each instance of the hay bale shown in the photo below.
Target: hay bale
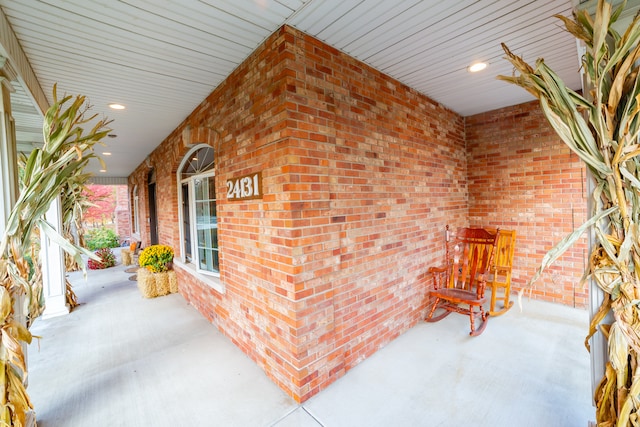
{"x": 162, "y": 283}
{"x": 126, "y": 256}
{"x": 153, "y": 285}
{"x": 147, "y": 283}
{"x": 173, "y": 281}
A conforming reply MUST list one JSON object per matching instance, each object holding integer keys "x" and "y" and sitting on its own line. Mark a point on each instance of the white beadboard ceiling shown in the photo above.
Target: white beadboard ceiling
{"x": 162, "y": 58}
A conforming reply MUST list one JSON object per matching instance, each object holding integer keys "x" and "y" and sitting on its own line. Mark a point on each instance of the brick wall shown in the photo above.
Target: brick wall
{"x": 360, "y": 176}
{"x": 380, "y": 170}
{"x": 122, "y": 213}
{"x": 523, "y": 177}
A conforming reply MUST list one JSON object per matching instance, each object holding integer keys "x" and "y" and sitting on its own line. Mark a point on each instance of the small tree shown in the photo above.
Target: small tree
{"x": 101, "y": 203}
{"x": 602, "y": 128}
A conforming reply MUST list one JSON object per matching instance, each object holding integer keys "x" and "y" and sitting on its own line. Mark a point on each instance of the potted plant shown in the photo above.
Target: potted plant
{"x": 107, "y": 259}
{"x": 156, "y": 277}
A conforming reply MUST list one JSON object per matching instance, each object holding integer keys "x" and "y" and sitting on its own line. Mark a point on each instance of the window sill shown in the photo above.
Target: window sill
{"x": 211, "y": 281}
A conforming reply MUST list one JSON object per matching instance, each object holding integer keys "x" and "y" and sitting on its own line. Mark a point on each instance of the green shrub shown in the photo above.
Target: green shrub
{"x": 99, "y": 238}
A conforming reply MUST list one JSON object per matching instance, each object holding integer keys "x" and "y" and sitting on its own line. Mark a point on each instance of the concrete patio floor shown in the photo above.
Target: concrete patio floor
{"x": 121, "y": 360}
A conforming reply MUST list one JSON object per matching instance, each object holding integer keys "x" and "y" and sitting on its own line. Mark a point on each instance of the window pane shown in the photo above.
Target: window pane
{"x": 208, "y": 259}
{"x": 206, "y": 224}
{"x": 206, "y": 212}
{"x": 200, "y": 161}
{"x": 200, "y": 189}
{"x": 212, "y": 190}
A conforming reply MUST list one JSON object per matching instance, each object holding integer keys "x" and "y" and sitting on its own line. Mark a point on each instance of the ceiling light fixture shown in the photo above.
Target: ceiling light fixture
{"x": 106, "y": 153}
{"x": 116, "y": 106}
{"x": 477, "y": 66}
{"x": 103, "y": 170}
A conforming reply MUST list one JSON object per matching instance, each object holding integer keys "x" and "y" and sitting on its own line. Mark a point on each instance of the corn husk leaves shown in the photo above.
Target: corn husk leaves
{"x": 47, "y": 173}
{"x": 602, "y": 128}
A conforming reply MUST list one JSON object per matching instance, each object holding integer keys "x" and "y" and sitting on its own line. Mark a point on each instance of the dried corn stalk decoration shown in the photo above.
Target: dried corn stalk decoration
{"x": 74, "y": 204}
{"x": 66, "y": 151}
{"x": 602, "y": 128}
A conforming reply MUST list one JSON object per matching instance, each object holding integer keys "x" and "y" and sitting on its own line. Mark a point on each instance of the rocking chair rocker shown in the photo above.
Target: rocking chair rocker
{"x": 461, "y": 282}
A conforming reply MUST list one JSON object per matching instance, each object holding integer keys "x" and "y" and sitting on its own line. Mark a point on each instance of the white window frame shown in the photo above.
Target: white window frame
{"x": 136, "y": 211}
{"x": 212, "y": 278}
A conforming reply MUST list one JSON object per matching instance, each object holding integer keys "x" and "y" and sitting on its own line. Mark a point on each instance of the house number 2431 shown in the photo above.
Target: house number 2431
{"x": 245, "y": 187}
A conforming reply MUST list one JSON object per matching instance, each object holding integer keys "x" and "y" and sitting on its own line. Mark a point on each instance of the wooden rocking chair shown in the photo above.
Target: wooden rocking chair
{"x": 500, "y": 277}
{"x": 461, "y": 282}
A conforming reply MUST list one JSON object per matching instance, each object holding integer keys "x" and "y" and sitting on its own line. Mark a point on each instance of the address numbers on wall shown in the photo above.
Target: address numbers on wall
{"x": 245, "y": 187}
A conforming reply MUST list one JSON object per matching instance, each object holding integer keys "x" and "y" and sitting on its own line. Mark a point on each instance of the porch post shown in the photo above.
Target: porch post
{"x": 9, "y": 47}
{"x": 53, "y": 271}
{"x": 599, "y": 354}
{"x": 8, "y": 160}
{"x": 8, "y": 150}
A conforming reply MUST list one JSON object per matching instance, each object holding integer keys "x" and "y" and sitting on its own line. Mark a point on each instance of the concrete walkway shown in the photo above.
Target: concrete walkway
{"x": 121, "y": 360}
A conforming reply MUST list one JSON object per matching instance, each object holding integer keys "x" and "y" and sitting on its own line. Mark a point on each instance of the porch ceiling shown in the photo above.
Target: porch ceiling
{"x": 161, "y": 59}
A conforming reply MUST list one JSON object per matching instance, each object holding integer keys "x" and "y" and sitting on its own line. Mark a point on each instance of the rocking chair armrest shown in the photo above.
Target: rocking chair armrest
{"x": 482, "y": 284}
{"x": 439, "y": 275}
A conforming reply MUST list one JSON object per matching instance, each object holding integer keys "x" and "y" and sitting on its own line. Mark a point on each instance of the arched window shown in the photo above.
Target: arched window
{"x": 136, "y": 220}
{"x": 198, "y": 216}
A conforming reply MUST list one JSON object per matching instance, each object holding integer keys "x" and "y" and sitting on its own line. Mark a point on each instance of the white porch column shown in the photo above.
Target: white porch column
{"x": 53, "y": 271}
{"x": 8, "y": 157}
{"x": 10, "y": 48}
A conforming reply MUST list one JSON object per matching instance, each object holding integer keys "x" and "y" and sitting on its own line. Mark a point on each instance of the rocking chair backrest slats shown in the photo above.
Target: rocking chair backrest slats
{"x": 505, "y": 249}
{"x": 499, "y": 279}
{"x": 470, "y": 258}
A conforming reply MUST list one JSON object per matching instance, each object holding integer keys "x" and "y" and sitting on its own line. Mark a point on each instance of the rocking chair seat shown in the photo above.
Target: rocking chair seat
{"x": 459, "y": 296}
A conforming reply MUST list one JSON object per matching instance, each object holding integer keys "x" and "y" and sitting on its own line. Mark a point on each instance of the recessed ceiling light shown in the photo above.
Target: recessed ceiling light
{"x": 477, "y": 66}
{"x": 103, "y": 170}
{"x": 106, "y": 153}
{"x": 117, "y": 106}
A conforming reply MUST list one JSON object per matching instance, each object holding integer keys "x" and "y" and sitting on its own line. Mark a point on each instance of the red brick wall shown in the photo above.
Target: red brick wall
{"x": 360, "y": 175}
{"x": 523, "y": 177}
{"x": 378, "y": 173}
{"x": 122, "y": 213}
